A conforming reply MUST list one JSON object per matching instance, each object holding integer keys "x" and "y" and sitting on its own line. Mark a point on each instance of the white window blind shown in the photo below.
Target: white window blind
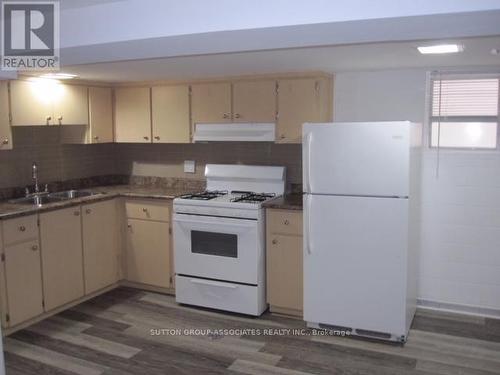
{"x": 464, "y": 112}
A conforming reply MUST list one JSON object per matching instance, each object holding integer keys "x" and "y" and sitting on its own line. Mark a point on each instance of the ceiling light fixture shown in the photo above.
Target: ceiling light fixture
{"x": 440, "y": 48}
{"x": 58, "y": 76}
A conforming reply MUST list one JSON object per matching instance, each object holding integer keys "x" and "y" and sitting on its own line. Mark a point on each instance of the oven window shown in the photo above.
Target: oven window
{"x": 220, "y": 244}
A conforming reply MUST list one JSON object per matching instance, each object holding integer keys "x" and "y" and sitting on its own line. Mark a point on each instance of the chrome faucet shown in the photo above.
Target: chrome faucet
{"x": 34, "y": 176}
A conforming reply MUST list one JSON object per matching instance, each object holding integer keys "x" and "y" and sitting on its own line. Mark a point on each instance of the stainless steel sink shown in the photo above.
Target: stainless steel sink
{"x": 72, "y": 194}
{"x": 38, "y": 200}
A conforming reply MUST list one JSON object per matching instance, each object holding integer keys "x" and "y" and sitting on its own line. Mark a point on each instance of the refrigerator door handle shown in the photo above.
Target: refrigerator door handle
{"x": 307, "y": 163}
{"x": 308, "y": 223}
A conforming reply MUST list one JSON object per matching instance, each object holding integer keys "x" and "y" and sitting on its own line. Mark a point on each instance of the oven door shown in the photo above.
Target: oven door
{"x": 218, "y": 248}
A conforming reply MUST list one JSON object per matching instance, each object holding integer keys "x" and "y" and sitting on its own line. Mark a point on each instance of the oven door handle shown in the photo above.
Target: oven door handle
{"x": 247, "y": 224}
{"x": 213, "y": 283}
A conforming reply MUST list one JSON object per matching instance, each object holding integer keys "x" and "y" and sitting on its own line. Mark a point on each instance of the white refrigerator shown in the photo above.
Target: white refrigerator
{"x": 361, "y": 185}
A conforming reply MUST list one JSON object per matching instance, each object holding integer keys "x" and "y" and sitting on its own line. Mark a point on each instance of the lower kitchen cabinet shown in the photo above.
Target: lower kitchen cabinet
{"x": 62, "y": 256}
{"x": 100, "y": 230}
{"x": 284, "y": 261}
{"x": 148, "y": 252}
{"x": 23, "y": 280}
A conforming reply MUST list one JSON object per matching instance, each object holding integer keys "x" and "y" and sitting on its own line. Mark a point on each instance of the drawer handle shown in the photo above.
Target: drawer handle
{"x": 144, "y": 209}
{"x": 286, "y": 222}
{"x": 76, "y": 213}
{"x": 88, "y": 211}
{"x": 157, "y": 138}
{"x": 22, "y": 228}
{"x": 275, "y": 242}
{"x": 146, "y": 138}
{"x": 34, "y": 247}
{"x": 5, "y": 141}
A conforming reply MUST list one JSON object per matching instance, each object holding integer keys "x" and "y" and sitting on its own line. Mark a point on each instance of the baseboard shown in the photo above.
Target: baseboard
{"x": 457, "y": 308}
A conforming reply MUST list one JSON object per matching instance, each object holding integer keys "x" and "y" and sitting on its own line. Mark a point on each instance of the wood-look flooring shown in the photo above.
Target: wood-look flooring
{"x": 120, "y": 333}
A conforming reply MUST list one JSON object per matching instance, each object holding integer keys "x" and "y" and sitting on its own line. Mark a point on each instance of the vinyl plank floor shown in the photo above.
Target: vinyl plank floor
{"x": 128, "y": 332}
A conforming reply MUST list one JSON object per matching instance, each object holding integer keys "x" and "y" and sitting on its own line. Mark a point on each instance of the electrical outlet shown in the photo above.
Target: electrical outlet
{"x": 189, "y": 166}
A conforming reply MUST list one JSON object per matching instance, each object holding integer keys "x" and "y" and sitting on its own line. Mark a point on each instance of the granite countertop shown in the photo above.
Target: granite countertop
{"x": 11, "y": 210}
{"x": 292, "y": 201}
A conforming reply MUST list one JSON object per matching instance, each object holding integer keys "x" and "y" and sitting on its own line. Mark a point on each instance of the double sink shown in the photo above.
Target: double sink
{"x": 45, "y": 198}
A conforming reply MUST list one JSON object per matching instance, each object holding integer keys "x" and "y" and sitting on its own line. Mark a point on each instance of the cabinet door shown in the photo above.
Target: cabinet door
{"x": 284, "y": 272}
{"x": 254, "y": 101}
{"x": 148, "y": 252}
{"x": 62, "y": 261}
{"x": 100, "y": 245}
{"x": 170, "y": 111}
{"x": 101, "y": 114}
{"x": 5, "y": 132}
{"x": 71, "y": 105}
{"x": 133, "y": 114}
{"x": 31, "y": 102}
{"x": 301, "y": 100}
{"x": 211, "y": 102}
{"x": 23, "y": 278}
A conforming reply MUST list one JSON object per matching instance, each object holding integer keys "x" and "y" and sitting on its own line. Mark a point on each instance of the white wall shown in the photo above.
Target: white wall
{"x": 460, "y": 254}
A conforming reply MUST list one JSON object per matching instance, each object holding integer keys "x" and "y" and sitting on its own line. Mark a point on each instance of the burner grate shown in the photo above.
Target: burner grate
{"x": 249, "y": 197}
{"x": 206, "y": 195}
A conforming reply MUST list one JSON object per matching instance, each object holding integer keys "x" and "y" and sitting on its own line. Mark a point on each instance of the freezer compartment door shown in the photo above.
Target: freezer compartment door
{"x": 366, "y": 159}
{"x": 355, "y": 251}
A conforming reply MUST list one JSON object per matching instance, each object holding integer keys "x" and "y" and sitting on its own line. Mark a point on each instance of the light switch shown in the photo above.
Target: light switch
{"x": 189, "y": 166}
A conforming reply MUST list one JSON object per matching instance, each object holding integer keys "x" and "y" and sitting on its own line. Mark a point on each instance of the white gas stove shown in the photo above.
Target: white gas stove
{"x": 219, "y": 238}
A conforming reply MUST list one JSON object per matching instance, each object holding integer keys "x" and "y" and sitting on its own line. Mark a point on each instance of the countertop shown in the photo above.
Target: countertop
{"x": 291, "y": 201}
{"x": 11, "y": 210}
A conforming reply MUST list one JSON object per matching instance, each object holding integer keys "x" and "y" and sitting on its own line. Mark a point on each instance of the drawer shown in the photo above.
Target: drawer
{"x": 147, "y": 209}
{"x": 20, "y": 229}
{"x": 284, "y": 221}
{"x": 244, "y": 299}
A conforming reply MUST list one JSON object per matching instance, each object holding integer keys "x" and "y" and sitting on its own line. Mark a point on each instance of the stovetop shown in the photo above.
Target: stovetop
{"x": 222, "y": 196}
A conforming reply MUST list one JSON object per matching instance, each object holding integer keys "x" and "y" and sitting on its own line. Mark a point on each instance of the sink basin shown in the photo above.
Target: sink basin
{"x": 39, "y": 200}
{"x": 72, "y": 194}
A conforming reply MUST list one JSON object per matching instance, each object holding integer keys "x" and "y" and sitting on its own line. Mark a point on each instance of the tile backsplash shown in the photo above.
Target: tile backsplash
{"x": 58, "y": 162}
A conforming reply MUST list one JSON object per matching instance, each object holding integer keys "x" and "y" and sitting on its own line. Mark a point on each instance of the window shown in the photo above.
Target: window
{"x": 464, "y": 111}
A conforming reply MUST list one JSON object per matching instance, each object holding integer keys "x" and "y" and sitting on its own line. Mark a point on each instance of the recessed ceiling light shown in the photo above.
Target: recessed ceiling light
{"x": 58, "y": 76}
{"x": 441, "y": 48}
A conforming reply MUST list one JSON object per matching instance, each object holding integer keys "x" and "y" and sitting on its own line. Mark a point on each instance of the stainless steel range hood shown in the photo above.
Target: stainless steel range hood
{"x": 235, "y": 132}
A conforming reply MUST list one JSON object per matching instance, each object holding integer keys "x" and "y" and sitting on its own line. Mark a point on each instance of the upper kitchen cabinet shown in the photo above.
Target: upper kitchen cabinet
{"x": 71, "y": 105}
{"x": 30, "y": 103}
{"x": 47, "y": 102}
{"x": 302, "y": 100}
{"x": 100, "y": 115}
{"x": 170, "y": 114}
{"x": 5, "y": 131}
{"x": 254, "y": 101}
{"x": 211, "y": 102}
{"x": 133, "y": 114}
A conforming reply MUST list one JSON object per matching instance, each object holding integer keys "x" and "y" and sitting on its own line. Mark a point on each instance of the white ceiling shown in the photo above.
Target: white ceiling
{"x": 329, "y": 59}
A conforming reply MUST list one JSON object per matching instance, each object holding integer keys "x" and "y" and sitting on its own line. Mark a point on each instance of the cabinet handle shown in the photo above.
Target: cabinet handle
{"x": 129, "y": 226}
{"x": 96, "y": 138}
{"x": 237, "y": 115}
{"x": 146, "y": 138}
{"x": 144, "y": 209}
{"x": 5, "y": 141}
{"x": 34, "y": 247}
{"x": 22, "y": 228}
{"x": 225, "y": 115}
{"x": 282, "y": 136}
{"x": 76, "y": 213}
{"x": 157, "y": 138}
{"x": 88, "y": 211}
{"x": 48, "y": 118}
{"x": 286, "y": 222}
{"x": 59, "y": 118}
{"x": 275, "y": 242}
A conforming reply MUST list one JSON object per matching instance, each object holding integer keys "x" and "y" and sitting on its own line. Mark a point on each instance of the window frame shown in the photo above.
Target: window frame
{"x": 436, "y": 76}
